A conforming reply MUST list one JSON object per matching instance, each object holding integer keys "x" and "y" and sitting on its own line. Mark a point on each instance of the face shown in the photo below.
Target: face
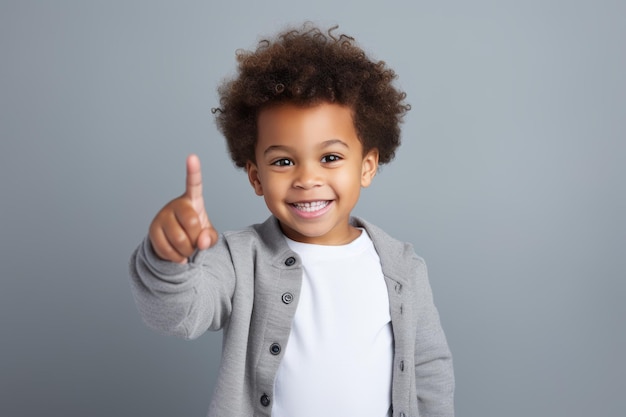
{"x": 310, "y": 168}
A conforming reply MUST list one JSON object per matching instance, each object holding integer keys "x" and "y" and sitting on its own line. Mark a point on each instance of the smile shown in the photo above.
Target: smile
{"x": 311, "y": 206}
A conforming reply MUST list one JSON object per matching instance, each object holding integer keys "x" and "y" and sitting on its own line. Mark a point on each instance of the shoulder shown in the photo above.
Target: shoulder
{"x": 265, "y": 237}
{"x": 397, "y": 258}
{"x": 385, "y": 243}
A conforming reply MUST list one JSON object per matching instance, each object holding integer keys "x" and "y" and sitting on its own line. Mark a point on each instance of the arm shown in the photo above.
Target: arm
{"x": 434, "y": 374}
{"x": 174, "y": 294}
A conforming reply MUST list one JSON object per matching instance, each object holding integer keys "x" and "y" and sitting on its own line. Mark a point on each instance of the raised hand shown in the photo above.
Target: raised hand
{"x": 183, "y": 226}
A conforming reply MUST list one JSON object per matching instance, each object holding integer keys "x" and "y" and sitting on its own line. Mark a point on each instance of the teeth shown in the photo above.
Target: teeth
{"x": 312, "y": 206}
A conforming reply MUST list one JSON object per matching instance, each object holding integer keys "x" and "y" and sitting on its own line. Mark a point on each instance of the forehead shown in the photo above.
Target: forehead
{"x": 293, "y": 124}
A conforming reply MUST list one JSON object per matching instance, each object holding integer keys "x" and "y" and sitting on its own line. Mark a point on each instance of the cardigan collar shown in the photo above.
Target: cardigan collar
{"x": 392, "y": 253}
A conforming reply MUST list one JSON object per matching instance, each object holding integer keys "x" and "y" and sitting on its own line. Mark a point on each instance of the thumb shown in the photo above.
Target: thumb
{"x": 206, "y": 238}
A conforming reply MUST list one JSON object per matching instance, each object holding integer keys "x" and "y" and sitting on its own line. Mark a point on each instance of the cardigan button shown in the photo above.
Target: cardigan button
{"x": 265, "y": 400}
{"x": 290, "y": 261}
{"x": 287, "y": 298}
{"x": 275, "y": 349}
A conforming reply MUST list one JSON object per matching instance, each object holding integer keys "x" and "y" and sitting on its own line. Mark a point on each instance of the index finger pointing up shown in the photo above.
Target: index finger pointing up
{"x": 194, "y": 178}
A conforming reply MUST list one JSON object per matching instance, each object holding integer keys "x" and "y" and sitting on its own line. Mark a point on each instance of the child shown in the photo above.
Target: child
{"x": 323, "y": 314}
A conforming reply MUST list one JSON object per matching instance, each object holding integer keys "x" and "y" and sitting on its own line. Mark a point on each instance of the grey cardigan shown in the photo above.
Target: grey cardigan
{"x": 248, "y": 284}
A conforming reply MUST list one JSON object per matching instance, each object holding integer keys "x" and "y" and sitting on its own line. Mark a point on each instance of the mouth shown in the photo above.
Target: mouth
{"x": 311, "y": 206}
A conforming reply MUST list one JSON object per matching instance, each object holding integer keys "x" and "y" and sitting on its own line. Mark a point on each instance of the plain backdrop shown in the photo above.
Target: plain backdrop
{"x": 510, "y": 182}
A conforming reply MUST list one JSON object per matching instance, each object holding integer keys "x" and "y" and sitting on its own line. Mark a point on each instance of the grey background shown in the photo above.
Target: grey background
{"x": 510, "y": 182}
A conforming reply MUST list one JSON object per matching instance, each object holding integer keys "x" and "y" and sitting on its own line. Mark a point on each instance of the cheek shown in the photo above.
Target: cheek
{"x": 274, "y": 185}
{"x": 349, "y": 180}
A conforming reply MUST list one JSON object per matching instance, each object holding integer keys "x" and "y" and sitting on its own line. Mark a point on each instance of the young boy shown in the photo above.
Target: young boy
{"x": 323, "y": 314}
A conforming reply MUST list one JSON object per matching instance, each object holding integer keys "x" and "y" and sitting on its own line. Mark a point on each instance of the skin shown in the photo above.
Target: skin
{"x": 311, "y": 156}
{"x": 182, "y": 225}
{"x": 310, "y": 168}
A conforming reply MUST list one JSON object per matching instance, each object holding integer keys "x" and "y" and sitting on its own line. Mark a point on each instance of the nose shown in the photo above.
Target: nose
{"x": 308, "y": 176}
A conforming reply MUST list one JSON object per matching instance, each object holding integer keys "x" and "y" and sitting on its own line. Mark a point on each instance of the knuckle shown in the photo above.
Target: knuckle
{"x": 166, "y": 253}
{"x": 179, "y": 239}
{"x": 191, "y": 221}
{"x": 173, "y": 255}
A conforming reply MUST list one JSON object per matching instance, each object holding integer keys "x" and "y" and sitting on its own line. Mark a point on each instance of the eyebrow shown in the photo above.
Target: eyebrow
{"x": 324, "y": 144}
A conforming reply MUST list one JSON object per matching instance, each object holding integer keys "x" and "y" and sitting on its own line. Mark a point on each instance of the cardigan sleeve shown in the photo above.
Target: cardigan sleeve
{"x": 434, "y": 373}
{"x": 183, "y": 299}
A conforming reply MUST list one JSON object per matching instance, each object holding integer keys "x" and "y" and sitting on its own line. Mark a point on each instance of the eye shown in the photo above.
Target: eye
{"x": 283, "y": 162}
{"x": 331, "y": 158}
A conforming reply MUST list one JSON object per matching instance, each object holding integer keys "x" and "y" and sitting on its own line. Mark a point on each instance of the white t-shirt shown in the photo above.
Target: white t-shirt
{"x": 338, "y": 360}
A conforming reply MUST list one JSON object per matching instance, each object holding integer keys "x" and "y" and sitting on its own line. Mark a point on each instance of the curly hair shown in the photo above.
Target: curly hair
{"x": 307, "y": 67}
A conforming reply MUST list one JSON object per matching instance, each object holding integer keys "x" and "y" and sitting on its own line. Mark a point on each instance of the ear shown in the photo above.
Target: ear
{"x": 369, "y": 167}
{"x": 253, "y": 177}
